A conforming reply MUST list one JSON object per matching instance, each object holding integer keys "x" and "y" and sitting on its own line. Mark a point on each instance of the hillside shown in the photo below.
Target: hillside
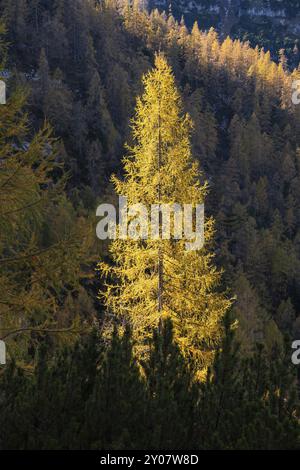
{"x": 191, "y": 355}
{"x": 83, "y": 71}
{"x": 273, "y": 24}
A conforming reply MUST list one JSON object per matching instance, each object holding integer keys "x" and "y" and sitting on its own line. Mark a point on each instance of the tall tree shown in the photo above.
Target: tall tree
{"x": 158, "y": 278}
{"x": 37, "y": 261}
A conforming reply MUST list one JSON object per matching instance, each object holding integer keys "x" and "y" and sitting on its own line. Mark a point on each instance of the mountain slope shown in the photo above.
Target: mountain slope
{"x": 274, "y": 24}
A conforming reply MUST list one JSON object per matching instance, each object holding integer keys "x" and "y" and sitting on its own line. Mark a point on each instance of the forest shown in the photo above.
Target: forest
{"x": 140, "y": 344}
{"x": 272, "y": 24}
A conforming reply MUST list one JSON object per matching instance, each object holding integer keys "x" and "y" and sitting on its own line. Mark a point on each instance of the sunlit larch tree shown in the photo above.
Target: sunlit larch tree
{"x": 152, "y": 279}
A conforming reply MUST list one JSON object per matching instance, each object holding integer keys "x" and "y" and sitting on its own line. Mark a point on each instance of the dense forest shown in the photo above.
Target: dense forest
{"x": 272, "y": 24}
{"x": 90, "y": 369}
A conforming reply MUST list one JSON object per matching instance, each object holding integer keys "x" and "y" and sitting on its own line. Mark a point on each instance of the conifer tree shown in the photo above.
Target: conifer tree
{"x": 36, "y": 259}
{"x": 99, "y": 121}
{"x": 248, "y": 403}
{"x": 114, "y": 416}
{"x": 171, "y": 393}
{"x": 158, "y": 278}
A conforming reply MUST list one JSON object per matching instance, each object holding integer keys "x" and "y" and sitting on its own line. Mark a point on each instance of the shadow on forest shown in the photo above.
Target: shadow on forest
{"x": 95, "y": 396}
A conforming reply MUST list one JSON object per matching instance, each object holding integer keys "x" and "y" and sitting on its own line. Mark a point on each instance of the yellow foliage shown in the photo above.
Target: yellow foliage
{"x": 160, "y": 169}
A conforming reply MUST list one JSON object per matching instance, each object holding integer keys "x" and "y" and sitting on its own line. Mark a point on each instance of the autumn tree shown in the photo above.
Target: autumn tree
{"x": 42, "y": 241}
{"x": 158, "y": 278}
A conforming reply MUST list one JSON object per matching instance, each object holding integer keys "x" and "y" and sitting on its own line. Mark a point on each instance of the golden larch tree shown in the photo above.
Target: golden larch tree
{"x": 154, "y": 278}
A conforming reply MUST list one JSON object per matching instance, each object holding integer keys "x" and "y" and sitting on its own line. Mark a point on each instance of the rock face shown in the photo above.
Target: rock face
{"x": 274, "y": 24}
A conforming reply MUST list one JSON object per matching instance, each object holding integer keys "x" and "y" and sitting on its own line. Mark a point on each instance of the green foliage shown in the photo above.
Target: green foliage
{"x": 250, "y": 403}
{"x": 171, "y": 393}
{"x": 93, "y": 396}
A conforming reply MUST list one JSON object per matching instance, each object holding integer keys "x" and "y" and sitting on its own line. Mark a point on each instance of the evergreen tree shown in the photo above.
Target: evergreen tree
{"x": 46, "y": 409}
{"x": 100, "y": 125}
{"x": 248, "y": 403}
{"x": 115, "y": 412}
{"x": 172, "y": 395}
